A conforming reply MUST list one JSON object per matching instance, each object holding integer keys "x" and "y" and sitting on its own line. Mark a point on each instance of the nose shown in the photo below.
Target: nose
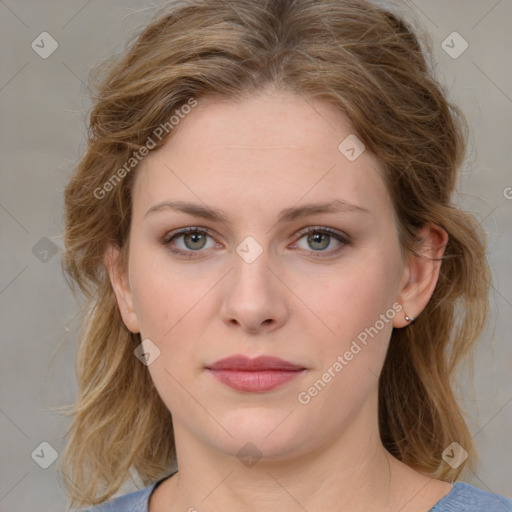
{"x": 254, "y": 296}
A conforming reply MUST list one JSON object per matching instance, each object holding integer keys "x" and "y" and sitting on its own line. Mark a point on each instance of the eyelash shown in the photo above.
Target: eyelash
{"x": 204, "y": 231}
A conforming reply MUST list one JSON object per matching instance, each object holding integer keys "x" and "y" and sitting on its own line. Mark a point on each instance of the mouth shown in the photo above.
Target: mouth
{"x": 261, "y": 374}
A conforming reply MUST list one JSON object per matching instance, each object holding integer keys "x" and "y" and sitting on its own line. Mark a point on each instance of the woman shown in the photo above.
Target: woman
{"x": 280, "y": 288}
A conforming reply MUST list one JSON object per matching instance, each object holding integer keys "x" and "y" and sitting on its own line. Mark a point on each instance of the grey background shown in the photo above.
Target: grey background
{"x": 42, "y": 127}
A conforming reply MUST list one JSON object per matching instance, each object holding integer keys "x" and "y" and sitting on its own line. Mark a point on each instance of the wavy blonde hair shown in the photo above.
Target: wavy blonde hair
{"x": 369, "y": 64}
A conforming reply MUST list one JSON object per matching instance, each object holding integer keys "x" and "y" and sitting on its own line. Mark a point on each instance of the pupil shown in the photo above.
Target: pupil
{"x": 317, "y": 238}
{"x": 195, "y": 237}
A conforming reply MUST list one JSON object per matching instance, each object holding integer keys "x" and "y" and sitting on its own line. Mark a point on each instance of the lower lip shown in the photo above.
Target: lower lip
{"x": 255, "y": 381}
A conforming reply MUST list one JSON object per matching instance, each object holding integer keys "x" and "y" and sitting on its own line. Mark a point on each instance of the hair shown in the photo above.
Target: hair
{"x": 364, "y": 61}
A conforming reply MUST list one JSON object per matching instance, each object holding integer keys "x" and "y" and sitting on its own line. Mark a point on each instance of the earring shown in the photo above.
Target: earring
{"x": 409, "y": 318}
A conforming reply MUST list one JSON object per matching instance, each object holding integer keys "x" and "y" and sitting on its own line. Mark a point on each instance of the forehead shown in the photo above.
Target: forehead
{"x": 265, "y": 151}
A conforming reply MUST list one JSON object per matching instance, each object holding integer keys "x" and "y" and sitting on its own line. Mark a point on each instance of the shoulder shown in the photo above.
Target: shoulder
{"x": 466, "y": 498}
{"x": 136, "y": 501}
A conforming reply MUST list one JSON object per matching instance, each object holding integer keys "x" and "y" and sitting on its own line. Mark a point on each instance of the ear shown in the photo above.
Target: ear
{"x": 421, "y": 273}
{"x": 121, "y": 287}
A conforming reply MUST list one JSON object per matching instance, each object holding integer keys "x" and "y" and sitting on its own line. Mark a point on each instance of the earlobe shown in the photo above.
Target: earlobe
{"x": 421, "y": 273}
{"x": 120, "y": 285}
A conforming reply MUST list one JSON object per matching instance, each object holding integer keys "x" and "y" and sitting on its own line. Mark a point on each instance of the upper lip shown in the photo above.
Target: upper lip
{"x": 243, "y": 363}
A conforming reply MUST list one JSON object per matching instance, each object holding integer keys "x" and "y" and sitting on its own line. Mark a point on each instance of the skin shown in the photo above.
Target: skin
{"x": 253, "y": 158}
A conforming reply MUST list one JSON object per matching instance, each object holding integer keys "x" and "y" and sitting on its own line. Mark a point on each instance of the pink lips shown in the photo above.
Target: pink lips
{"x": 254, "y": 375}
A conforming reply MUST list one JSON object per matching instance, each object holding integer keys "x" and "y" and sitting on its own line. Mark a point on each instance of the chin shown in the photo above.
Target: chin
{"x": 273, "y": 433}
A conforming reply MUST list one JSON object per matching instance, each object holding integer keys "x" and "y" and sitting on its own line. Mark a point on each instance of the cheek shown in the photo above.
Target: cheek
{"x": 356, "y": 305}
{"x": 164, "y": 295}
{"x": 350, "y": 298}
{"x": 168, "y": 306}
{"x": 350, "y": 359}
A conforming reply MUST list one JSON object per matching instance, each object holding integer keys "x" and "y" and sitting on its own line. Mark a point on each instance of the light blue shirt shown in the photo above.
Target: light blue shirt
{"x": 462, "y": 498}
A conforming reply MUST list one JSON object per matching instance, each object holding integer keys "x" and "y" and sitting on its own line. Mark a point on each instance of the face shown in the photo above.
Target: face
{"x": 255, "y": 282}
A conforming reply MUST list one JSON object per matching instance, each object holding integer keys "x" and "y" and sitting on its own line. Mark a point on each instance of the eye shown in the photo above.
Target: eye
{"x": 193, "y": 240}
{"x": 188, "y": 241}
{"x": 318, "y": 239}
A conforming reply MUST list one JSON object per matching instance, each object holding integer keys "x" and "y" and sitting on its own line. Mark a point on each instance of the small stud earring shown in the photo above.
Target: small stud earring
{"x": 409, "y": 318}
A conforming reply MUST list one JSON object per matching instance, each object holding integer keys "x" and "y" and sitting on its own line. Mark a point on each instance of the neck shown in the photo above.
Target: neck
{"x": 350, "y": 471}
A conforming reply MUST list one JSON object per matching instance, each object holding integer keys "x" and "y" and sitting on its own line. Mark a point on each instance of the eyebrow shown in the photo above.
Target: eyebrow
{"x": 286, "y": 215}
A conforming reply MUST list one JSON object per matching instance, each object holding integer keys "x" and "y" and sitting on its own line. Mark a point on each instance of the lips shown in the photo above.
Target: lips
{"x": 261, "y": 374}
{"x": 242, "y": 363}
